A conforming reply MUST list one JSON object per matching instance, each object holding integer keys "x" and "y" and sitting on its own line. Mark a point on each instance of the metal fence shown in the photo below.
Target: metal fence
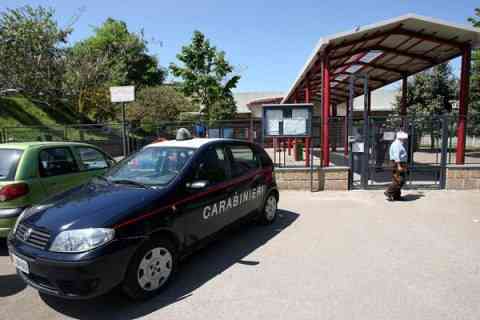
{"x": 108, "y": 136}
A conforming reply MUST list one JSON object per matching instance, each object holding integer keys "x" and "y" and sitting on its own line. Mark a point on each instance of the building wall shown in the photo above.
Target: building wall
{"x": 463, "y": 177}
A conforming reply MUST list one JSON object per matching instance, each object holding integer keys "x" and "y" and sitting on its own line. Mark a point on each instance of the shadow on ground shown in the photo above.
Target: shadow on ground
{"x": 10, "y": 284}
{"x": 412, "y": 197}
{"x": 3, "y": 248}
{"x": 197, "y": 270}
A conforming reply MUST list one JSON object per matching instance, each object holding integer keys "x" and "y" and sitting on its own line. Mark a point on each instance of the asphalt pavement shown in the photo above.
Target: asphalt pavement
{"x": 330, "y": 255}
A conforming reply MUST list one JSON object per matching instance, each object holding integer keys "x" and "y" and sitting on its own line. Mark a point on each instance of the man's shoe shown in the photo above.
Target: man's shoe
{"x": 389, "y": 196}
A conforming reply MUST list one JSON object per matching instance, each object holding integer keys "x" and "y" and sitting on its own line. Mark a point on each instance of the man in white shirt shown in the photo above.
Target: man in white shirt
{"x": 398, "y": 157}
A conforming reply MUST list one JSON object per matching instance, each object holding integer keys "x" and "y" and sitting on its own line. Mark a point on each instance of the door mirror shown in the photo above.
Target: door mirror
{"x": 197, "y": 185}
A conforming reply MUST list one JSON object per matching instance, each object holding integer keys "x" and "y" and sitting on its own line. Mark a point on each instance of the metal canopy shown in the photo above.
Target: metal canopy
{"x": 387, "y": 52}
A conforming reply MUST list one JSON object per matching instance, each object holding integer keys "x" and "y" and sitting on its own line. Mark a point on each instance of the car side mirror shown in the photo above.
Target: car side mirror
{"x": 197, "y": 185}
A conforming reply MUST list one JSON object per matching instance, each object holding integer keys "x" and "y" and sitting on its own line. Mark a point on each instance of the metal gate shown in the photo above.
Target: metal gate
{"x": 427, "y": 148}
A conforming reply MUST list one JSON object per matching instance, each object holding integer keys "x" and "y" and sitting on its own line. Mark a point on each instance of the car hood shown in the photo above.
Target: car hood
{"x": 91, "y": 205}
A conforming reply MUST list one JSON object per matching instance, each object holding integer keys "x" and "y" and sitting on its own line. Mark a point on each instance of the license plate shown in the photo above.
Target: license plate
{"x": 20, "y": 264}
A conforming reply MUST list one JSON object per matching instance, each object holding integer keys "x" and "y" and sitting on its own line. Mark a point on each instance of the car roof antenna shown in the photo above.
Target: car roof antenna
{"x": 183, "y": 134}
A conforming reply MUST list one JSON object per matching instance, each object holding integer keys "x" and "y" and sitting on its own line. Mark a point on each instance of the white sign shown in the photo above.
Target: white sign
{"x": 122, "y": 94}
{"x": 389, "y": 135}
{"x": 358, "y": 147}
{"x": 294, "y": 127}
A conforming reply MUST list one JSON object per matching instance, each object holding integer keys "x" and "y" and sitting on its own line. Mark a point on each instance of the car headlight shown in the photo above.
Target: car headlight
{"x": 81, "y": 240}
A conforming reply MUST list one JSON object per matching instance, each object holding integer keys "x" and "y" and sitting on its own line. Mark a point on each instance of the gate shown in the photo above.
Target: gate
{"x": 427, "y": 149}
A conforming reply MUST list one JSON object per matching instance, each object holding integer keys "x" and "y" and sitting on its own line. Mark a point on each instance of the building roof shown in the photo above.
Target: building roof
{"x": 242, "y": 99}
{"x": 386, "y": 51}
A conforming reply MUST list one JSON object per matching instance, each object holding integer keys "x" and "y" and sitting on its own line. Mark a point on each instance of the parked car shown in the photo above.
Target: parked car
{"x": 34, "y": 171}
{"x": 132, "y": 226}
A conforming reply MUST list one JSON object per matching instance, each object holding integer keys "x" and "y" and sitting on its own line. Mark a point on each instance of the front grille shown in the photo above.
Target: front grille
{"x": 36, "y": 238}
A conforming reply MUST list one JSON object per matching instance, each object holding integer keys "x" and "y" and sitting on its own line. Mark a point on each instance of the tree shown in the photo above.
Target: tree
{"x": 430, "y": 93}
{"x": 474, "y": 128}
{"x": 208, "y": 78}
{"x": 113, "y": 56}
{"x": 159, "y": 103}
{"x": 32, "y": 52}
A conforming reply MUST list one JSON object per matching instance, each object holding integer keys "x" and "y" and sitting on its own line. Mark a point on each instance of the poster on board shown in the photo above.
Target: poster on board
{"x": 299, "y": 114}
{"x": 273, "y": 127}
{"x": 294, "y": 127}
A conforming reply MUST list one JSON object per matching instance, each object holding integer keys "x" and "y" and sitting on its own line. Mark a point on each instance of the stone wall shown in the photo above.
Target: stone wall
{"x": 331, "y": 178}
{"x": 334, "y": 178}
{"x": 463, "y": 177}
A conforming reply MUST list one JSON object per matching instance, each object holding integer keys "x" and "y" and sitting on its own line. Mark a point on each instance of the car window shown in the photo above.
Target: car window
{"x": 213, "y": 166}
{"x": 91, "y": 158}
{"x": 265, "y": 160}
{"x": 56, "y": 161}
{"x": 155, "y": 166}
{"x": 9, "y": 159}
{"x": 243, "y": 160}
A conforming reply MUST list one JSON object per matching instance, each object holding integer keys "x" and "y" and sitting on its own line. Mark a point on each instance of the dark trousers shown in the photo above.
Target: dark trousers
{"x": 394, "y": 189}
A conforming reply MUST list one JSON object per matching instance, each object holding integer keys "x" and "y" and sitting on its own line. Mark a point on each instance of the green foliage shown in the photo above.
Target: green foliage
{"x": 125, "y": 53}
{"x": 431, "y": 92}
{"x": 160, "y": 103}
{"x": 475, "y": 82}
{"x": 31, "y": 52}
{"x": 207, "y": 78}
{"x": 113, "y": 56}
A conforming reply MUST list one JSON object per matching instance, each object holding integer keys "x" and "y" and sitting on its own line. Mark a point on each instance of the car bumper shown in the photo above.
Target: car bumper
{"x": 7, "y": 220}
{"x": 77, "y": 278}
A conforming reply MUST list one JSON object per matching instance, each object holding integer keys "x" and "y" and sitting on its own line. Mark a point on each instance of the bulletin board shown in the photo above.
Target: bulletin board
{"x": 287, "y": 120}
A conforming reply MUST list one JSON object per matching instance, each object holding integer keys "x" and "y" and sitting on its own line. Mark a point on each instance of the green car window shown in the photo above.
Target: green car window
{"x": 91, "y": 158}
{"x": 56, "y": 161}
{"x": 9, "y": 159}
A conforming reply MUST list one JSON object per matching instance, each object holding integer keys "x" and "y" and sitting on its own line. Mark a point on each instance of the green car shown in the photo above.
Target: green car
{"x": 34, "y": 171}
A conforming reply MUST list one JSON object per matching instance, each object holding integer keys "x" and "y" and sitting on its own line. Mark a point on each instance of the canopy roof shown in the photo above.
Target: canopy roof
{"x": 385, "y": 51}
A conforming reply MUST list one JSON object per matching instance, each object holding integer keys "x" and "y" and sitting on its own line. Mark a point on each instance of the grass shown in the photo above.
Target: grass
{"x": 23, "y": 120}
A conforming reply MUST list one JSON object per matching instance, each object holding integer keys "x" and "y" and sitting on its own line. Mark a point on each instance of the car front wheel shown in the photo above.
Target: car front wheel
{"x": 150, "y": 270}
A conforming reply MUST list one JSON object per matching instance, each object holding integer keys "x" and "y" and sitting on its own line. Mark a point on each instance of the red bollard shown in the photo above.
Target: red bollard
{"x": 307, "y": 152}
{"x": 295, "y": 151}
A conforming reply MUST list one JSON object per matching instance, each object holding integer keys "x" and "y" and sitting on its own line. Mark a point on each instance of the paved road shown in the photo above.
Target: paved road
{"x": 329, "y": 256}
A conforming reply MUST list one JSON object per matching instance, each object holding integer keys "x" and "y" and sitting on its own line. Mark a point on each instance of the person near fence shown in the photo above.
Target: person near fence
{"x": 398, "y": 158}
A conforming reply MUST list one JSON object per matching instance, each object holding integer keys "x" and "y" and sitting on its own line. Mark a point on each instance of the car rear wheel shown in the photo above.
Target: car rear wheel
{"x": 269, "y": 211}
{"x": 150, "y": 270}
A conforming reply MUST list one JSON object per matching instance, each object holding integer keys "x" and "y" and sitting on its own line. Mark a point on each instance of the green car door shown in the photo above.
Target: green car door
{"x": 58, "y": 169}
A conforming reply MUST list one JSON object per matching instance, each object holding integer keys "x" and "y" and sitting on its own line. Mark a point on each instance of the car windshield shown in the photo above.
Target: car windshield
{"x": 153, "y": 166}
{"x": 8, "y": 163}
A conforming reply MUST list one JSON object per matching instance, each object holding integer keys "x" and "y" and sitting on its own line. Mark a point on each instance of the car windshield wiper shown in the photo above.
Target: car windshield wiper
{"x": 103, "y": 179}
{"x": 131, "y": 182}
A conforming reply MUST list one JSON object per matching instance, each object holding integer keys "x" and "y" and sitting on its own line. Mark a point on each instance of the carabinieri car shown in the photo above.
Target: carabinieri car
{"x": 132, "y": 226}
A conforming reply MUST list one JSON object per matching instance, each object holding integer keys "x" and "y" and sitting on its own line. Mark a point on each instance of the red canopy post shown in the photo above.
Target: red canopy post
{"x": 325, "y": 110}
{"x": 307, "y": 140}
{"x": 463, "y": 108}
{"x": 334, "y": 114}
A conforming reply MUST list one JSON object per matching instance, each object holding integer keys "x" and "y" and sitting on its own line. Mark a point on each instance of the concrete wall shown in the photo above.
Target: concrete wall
{"x": 332, "y": 178}
{"x": 463, "y": 177}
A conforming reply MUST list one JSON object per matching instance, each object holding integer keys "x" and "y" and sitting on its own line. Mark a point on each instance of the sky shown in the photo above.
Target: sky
{"x": 268, "y": 42}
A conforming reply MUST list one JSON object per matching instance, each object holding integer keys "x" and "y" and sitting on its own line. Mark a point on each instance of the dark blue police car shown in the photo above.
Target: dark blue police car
{"x": 133, "y": 226}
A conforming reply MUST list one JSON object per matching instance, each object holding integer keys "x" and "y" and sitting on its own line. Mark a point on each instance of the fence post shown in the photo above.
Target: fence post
{"x": 443, "y": 159}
